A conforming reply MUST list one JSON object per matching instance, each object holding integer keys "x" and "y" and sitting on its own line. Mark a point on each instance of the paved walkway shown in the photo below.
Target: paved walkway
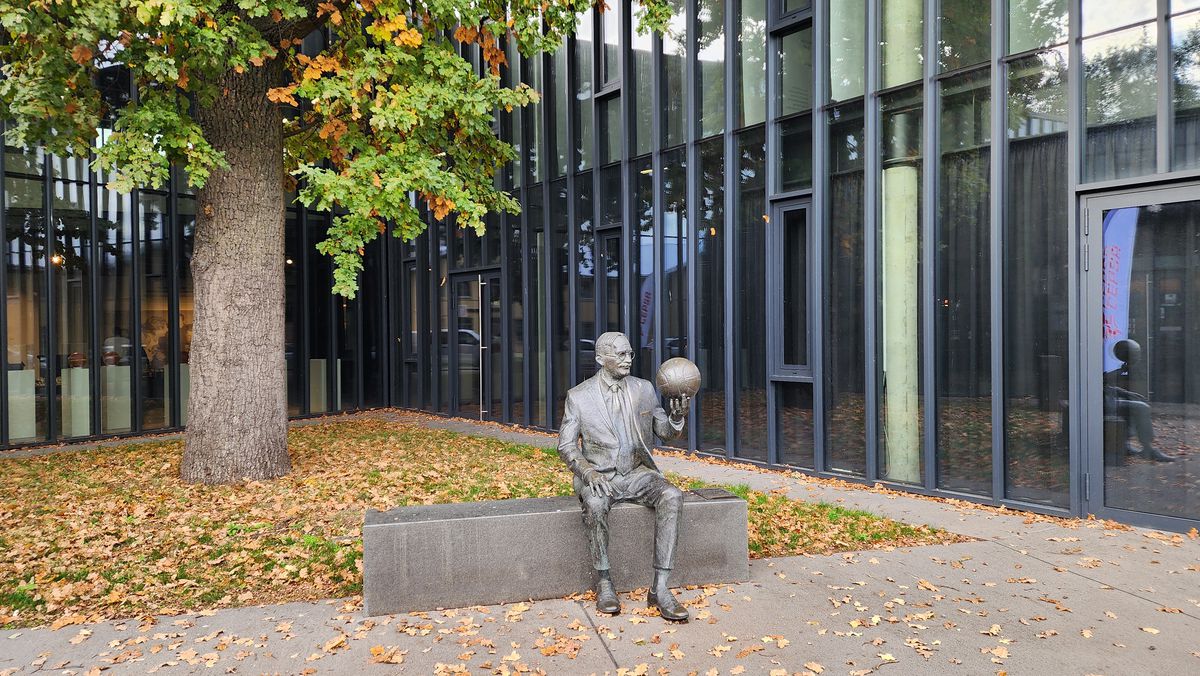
{"x": 1029, "y": 595}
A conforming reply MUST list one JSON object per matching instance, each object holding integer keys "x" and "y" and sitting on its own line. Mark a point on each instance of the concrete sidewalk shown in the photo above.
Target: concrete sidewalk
{"x": 1047, "y": 596}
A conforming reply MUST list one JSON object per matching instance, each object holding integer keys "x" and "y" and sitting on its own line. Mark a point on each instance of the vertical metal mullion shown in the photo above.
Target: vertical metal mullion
{"x": 175, "y": 234}
{"x": 872, "y": 166}
{"x": 94, "y": 270}
{"x": 996, "y": 212}
{"x": 305, "y": 315}
{"x": 4, "y": 294}
{"x": 818, "y": 221}
{"x": 656, "y": 134}
{"x": 1165, "y": 89}
{"x": 51, "y": 302}
{"x": 928, "y": 229}
{"x": 730, "y": 162}
{"x": 1076, "y": 459}
{"x": 773, "y": 265}
{"x": 693, "y": 177}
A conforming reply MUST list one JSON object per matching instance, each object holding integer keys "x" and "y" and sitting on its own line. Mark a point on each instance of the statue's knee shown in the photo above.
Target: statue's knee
{"x": 594, "y": 509}
{"x": 672, "y": 498}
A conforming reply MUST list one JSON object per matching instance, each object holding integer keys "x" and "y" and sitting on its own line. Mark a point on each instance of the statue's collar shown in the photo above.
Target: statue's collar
{"x": 607, "y": 382}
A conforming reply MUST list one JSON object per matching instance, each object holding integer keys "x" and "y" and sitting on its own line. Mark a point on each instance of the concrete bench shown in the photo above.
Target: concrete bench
{"x": 499, "y": 551}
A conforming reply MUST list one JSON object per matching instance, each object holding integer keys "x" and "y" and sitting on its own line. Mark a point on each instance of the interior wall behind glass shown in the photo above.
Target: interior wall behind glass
{"x": 711, "y": 236}
{"x": 962, "y": 307}
{"x": 750, "y": 63}
{"x": 749, "y": 297}
{"x": 516, "y": 319}
{"x": 25, "y": 304}
{"x": 710, "y": 66}
{"x": 71, "y": 274}
{"x": 902, "y": 41}
{"x": 900, "y": 290}
{"x": 155, "y": 258}
{"x": 845, "y": 329}
{"x": 1036, "y": 282}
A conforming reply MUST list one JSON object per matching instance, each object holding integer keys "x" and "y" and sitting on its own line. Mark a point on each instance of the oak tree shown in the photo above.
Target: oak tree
{"x": 385, "y": 108}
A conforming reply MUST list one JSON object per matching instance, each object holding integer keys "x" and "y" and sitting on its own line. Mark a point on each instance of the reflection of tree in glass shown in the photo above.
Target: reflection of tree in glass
{"x": 1119, "y": 72}
{"x": 1036, "y": 94}
{"x": 1186, "y": 49}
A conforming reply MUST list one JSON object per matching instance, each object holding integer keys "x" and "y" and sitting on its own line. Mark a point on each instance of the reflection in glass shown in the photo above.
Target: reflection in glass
{"x": 795, "y": 72}
{"x": 794, "y": 419}
{"x": 610, "y": 28}
{"x": 749, "y": 297}
{"x": 1036, "y": 282}
{"x": 845, "y": 332}
{"x": 1104, "y": 15}
{"x": 965, "y": 33}
{"x": 1120, "y": 74}
{"x": 186, "y": 218}
{"x": 962, "y": 311}
{"x": 1150, "y": 395}
{"x": 1185, "y": 49}
{"x": 902, "y": 41}
{"x": 710, "y": 298}
{"x": 155, "y": 331}
{"x": 674, "y": 62}
{"x": 583, "y": 92}
{"x": 466, "y": 335}
{"x": 71, "y": 268}
{"x": 674, "y": 262}
{"x": 847, "y": 39}
{"x": 25, "y": 279}
{"x": 560, "y": 298}
{"x": 901, "y": 413}
{"x": 1036, "y": 23}
{"x": 750, "y": 63}
{"x": 610, "y": 194}
{"x": 610, "y": 129}
{"x": 795, "y": 153}
{"x": 556, "y": 84}
{"x": 643, "y": 263}
{"x": 710, "y": 66}
{"x": 533, "y": 126}
{"x": 587, "y": 260}
{"x": 643, "y": 99}
{"x": 515, "y": 129}
{"x": 117, "y": 352}
{"x": 516, "y": 324}
{"x": 538, "y": 342}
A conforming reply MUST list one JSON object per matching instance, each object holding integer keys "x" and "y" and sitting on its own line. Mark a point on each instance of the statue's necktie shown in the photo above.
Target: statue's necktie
{"x": 621, "y": 421}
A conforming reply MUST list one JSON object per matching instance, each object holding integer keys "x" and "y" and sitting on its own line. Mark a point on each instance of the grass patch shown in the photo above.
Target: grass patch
{"x": 112, "y": 532}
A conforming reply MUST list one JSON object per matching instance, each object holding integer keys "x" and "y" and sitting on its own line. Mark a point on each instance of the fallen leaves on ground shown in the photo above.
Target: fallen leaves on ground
{"x": 112, "y": 532}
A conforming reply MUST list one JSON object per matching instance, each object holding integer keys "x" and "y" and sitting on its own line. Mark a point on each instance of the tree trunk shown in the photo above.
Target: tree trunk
{"x": 237, "y": 414}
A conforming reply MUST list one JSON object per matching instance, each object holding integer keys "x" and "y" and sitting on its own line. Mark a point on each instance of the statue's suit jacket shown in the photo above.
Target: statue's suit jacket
{"x": 587, "y": 416}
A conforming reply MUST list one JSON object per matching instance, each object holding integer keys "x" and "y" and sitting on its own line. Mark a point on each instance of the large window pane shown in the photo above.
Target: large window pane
{"x": 643, "y": 263}
{"x": 710, "y": 300}
{"x": 902, "y": 40}
{"x": 538, "y": 341}
{"x": 514, "y": 127}
{"x": 1120, "y": 73}
{"x": 117, "y": 352}
{"x": 795, "y": 288}
{"x": 674, "y": 254}
{"x": 155, "y": 258}
{"x": 588, "y": 260}
{"x": 794, "y": 420}
{"x": 610, "y": 129}
{"x": 533, "y": 119}
{"x": 749, "y": 297}
{"x": 517, "y": 321}
{"x": 1104, "y": 15}
{"x": 610, "y": 28}
{"x": 1036, "y": 282}
{"x": 965, "y": 33}
{"x": 962, "y": 311}
{"x": 185, "y": 217}
{"x": 320, "y": 281}
{"x": 750, "y": 61}
{"x": 1185, "y": 48}
{"x": 71, "y": 266}
{"x": 294, "y": 310}
{"x": 583, "y": 92}
{"x": 1036, "y": 23}
{"x": 845, "y": 331}
{"x": 25, "y": 279}
{"x": 556, "y": 83}
{"x": 643, "y": 100}
{"x": 710, "y": 66}
{"x": 674, "y": 62}
{"x": 847, "y": 48}
{"x": 560, "y": 298}
{"x": 898, "y": 369}
{"x": 795, "y": 100}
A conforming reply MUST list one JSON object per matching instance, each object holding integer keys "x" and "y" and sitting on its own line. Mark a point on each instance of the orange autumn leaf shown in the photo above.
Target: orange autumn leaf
{"x": 81, "y": 54}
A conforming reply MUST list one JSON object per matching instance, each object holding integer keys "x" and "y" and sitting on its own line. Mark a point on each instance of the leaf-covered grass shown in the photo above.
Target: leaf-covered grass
{"x": 112, "y": 532}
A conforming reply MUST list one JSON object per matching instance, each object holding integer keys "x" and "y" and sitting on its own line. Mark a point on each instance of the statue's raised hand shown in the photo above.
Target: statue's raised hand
{"x": 678, "y": 406}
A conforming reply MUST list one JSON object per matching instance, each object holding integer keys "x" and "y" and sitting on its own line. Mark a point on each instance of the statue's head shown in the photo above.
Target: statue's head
{"x": 614, "y": 354}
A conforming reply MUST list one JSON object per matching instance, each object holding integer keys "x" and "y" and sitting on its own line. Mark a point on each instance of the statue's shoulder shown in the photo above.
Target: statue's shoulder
{"x": 639, "y": 384}
{"x": 582, "y": 388}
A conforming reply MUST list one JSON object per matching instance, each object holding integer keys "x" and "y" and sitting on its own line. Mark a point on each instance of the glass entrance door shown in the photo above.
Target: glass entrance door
{"x": 1142, "y": 316}
{"x": 474, "y": 352}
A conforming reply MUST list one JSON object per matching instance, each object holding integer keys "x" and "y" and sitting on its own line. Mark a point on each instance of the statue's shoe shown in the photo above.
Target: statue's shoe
{"x": 667, "y": 605}
{"x": 606, "y": 598}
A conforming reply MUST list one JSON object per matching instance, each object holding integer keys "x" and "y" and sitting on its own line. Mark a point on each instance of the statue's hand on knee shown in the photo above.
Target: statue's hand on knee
{"x": 599, "y": 483}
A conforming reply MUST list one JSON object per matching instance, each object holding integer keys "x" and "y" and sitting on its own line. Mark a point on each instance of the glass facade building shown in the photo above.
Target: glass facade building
{"x": 948, "y": 246}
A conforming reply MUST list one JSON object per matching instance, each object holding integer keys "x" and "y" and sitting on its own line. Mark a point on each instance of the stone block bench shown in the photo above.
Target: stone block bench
{"x": 426, "y": 557}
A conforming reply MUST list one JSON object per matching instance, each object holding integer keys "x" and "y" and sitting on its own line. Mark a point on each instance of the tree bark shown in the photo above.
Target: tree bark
{"x": 237, "y": 414}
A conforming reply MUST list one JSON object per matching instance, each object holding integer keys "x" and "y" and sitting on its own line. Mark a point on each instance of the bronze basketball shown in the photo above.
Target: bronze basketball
{"x": 678, "y": 377}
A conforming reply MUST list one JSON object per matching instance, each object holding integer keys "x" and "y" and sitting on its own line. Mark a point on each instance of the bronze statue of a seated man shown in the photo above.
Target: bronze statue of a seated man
{"x": 617, "y": 417}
